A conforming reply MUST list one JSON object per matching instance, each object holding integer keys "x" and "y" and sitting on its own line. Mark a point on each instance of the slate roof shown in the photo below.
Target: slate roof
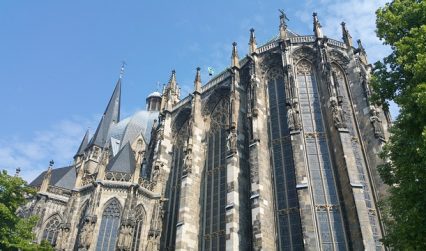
{"x": 63, "y": 177}
{"x": 123, "y": 162}
{"x": 111, "y": 116}
{"x": 83, "y": 144}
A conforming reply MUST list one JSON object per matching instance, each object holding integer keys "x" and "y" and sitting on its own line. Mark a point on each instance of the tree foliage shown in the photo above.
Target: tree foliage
{"x": 401, "y": 77}
{"x": 16, "y": 232}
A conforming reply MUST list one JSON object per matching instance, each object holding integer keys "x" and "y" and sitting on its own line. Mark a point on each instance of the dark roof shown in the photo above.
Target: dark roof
{"x": 123, "y": 162}
{"x": 110, "y": 116}
{"x": 63, "y": 177}
{"x": 83, "y": 144}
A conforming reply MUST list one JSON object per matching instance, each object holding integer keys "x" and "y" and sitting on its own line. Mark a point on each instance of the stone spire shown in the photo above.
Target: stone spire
{"x": 317, "y": 26}
{"x": 252, "y": 42}
{"x": 170, "y": 94}
{"x": 111, "y": 116}
{"x": 83, "y": 145}
{"x": 197, "y": 81}
{"x": 361, "y": 51}
{"x": 283, "y": 25}
{"x": 347, "y": 38}
{"x": 46, "y": 178}
{"x": 235, "y": 58}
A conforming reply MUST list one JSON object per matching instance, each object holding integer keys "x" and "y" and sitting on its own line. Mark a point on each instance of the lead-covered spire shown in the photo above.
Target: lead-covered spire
{"x": 317, "y": 26}
{"x": 235, "y": 59}
{"x": 111, "y": 116}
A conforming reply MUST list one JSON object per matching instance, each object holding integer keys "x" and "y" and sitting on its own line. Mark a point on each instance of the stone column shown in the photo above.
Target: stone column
{"x": 262, "y": 204}
{"x": 188, "y": 227}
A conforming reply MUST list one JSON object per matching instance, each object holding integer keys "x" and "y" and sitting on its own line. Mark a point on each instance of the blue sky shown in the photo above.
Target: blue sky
{"x": 60, "y": 60}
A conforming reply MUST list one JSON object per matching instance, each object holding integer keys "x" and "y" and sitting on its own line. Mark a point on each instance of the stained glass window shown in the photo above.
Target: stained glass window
{"x": 287, "y": 204}
{"x": 214, "y": 180}
{"x": 139, "y": 217}
{"x": 51, "y": 229}
{"x": 327, "y": 208}
{"x": 108, "y": 231}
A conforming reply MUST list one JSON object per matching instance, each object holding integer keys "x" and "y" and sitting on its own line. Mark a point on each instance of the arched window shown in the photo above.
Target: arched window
{"x": 287, "y": 204}
{"x": 139, "y": 217}
{"x": 51, "y": 229}
{"x": 214, "y": 180}
{"x": 108, "y": 231}
{"x": 327, "y": 206}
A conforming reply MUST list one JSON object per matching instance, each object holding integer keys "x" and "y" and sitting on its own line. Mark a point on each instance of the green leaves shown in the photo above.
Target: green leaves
{"x": 15, "y": 232}
{"x": 401, "y": 77}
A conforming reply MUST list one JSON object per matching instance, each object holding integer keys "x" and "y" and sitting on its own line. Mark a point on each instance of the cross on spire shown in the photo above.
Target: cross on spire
{"x": 123, "y": 63}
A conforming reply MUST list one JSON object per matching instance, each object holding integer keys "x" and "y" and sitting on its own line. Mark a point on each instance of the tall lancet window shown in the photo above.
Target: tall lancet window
{"x": 173, "y": 191}
{"x": 139, "y": 217}
{"x": 287, "y": 204}
{"x": 214, "y": 180}
{"x": 328, "y": 213}
{"x": 342, "y": 90}
{"x": 51, "y": 229}
{"x": 108, "y": 231}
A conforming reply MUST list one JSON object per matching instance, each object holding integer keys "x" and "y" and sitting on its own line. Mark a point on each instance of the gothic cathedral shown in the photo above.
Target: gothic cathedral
{"x": 277, "y": 152}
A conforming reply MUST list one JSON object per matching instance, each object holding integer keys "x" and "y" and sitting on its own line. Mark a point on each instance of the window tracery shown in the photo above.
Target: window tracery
{"x": 51, "y": 230}
{"x": 110, "y": 224}
{"x": 139, "y": 218}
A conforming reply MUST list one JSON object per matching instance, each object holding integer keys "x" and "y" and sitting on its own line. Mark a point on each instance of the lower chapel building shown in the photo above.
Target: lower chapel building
{"x": 277, "y": 152}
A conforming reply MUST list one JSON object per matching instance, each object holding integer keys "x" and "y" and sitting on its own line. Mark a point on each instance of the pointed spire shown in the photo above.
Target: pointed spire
{"x": 197, "y": 81}
{"x": 111, "y": 116}
{"x": 283, "y": 25}
{"x": 172, "y": 80}
{"x": 83, "y": 145}
{"x": 252, "y": 43}
{"x": 347, "y": 38}
{"x": 317, "y": 26}
{"x": 360, "y": 46}
{"x": 235, "y": 58}
{"x": 46, "y": 178}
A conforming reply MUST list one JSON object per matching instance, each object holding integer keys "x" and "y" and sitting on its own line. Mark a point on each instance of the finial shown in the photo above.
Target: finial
{"x": 235, "y": 59}
{"x": 51, "y": 163}
{"x": 197, "y": 81}
{"x": 283, "y": 24}
{"x": 172, "y": 80}
{"x": 123, "y": 63}
{"x": 347, "y": 38}
{"x": 360, "y": 47}
{"x": 17, "y": 171}
{"x": 317, "y": 26}
{"x": 252, "y": 43}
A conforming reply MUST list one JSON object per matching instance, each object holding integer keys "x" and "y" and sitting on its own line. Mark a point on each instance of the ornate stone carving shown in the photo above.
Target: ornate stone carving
{"x": 376, "y": 123}
{"x": 86, "y": 235}
{"x": 187, "y": 163}
{"x": 293, "y": 117}
{"x": 125, "y": 237}
{"x": 231, "y": 143}
{"x": 338, "y": 114}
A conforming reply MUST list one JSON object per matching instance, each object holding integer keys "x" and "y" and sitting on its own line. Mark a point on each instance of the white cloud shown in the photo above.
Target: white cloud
{"x": 59, "y": 142}
{"x": 360, "y": 19}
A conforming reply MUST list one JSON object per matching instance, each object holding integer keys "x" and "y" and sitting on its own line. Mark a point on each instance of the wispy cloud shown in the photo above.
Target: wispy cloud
{"x": 58, "y": 142}
{"x": 360, "y": 19}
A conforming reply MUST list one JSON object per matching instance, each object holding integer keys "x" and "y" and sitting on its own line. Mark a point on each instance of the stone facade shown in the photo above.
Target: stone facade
{"x": 277, "y": 152}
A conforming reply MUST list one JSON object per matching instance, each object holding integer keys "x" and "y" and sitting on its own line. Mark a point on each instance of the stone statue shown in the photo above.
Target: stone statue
{"x": 187, "y": 163}
{"x": 86, "y": 235}
{"x": 125, "y": 238}
{"x": 293, "y": 118}
{"x": 232, "y": 141}
{"x": 376, "y": 122}
{"x": 338, "y": 114}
